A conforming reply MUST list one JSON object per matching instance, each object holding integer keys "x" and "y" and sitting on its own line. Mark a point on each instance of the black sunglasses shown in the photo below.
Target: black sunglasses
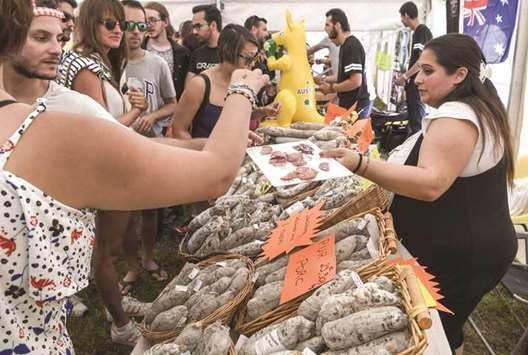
{"x": 249, "y": 59}
{"x": 67, "y": 17}
{"x": 111, "y": 24}
{"x": 141, "y": 26}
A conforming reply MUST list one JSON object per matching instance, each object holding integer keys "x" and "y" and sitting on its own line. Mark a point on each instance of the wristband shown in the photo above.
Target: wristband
{"x": 359, "y": 164}
{"x": 244, "y": 90}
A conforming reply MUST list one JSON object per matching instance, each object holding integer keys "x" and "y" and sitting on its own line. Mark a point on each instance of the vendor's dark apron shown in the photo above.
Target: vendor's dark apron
{"x": 465, "y": 238}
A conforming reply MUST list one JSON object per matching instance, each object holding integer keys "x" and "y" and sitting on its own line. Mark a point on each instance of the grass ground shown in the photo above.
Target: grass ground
{"x": 91, "y": 334}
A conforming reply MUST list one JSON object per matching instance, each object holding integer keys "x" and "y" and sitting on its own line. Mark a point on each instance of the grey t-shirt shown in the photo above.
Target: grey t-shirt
{"x": 153, "y": 71}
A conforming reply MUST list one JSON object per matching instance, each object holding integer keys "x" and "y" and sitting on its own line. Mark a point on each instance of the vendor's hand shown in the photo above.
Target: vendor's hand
{"x": 137, "y": 99}
{"x": 254, "y": 79}
{"x": 325, "y": 88}
{"x": 254, "y": 139}
{"x": 145, "y": 124}
{"x": 347, "y": 157}
{"x": 272, "y": 109}
{"x": 400, "y": 80}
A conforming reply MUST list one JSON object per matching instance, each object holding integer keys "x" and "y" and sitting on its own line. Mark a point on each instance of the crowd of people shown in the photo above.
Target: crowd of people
{"x": 164, "y": 99}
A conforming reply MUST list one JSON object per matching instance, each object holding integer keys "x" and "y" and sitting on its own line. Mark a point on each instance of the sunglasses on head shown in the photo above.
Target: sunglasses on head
{"x": 111, "y": 24}
{"x": 141, "y": 26}
{"x": 67, "y": 17}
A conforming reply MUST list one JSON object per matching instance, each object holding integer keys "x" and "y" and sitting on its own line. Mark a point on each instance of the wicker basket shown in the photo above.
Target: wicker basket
{"x": 223, "y": 314}
{"x": 288, "y": 309}
{"x": 418, "y": 336}
{"x": 183, "y": 254}
{"x": 372, "y": 197}
{"x": 387, "y": 237}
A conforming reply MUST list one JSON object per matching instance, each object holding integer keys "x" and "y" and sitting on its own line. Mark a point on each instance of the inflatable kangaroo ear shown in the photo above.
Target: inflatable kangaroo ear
{"x": 289, "y": 20}
{"x": 301, "y": 23}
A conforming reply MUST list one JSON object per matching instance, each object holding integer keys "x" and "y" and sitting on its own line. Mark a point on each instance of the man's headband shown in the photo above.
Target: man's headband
{"x": 45, "y": 11}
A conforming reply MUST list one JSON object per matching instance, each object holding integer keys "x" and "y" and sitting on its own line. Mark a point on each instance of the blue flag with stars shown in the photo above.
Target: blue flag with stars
{"x": 491, "y": 24}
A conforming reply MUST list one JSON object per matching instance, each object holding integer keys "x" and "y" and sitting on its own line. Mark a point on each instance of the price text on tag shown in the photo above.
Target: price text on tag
{"x": 296, "y": 231}
{"x": 309, "y": 268}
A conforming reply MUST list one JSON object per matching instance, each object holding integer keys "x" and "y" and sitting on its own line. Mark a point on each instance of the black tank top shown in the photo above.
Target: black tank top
{"x": 6, "y": 102}
{"x": 207, "y": 115}
{"x": 463, "y": 233}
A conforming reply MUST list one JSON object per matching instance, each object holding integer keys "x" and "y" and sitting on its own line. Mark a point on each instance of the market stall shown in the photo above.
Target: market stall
{"x": 239, "y": 280}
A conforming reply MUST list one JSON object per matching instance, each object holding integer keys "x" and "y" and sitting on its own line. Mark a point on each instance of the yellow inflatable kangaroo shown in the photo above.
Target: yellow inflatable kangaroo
{"x": 296, "y": 88}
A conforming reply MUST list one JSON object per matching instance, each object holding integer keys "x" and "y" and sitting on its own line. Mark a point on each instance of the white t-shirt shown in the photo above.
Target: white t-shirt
{"x": 59, "y": 98}
{"x": 491, "y": 154}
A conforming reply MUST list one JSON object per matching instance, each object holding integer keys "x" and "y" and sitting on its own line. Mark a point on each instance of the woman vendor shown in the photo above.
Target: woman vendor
{"x": 449, "y": 181}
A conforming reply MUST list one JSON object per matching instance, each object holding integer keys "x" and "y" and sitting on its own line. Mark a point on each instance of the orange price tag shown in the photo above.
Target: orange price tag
{"x": 333, "y": 111}
{"x": 358, "y": 126}
{"x": 309, "y": 268}
{"x": 298, "y": 230}
{"x": 366, "y": 137}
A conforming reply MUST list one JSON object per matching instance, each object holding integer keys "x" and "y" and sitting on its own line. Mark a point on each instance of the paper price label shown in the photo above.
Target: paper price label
{"x": 180, "y": 288}
{"x": 357, "y": 280}
{"x": 198, "y": 285}
{"x": 194, "y": 273}
{"x": 269, "y": 344}
{"x": 295, "y": 208}
{"x": 308, "y": 351}
{"x": 362, "y": 224}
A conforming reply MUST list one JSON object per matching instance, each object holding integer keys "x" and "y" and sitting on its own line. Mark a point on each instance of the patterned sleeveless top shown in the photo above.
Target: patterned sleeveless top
{"x": 45, "y": 252}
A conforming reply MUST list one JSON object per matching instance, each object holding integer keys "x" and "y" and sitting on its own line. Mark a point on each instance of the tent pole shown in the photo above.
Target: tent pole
{"x": 518, "y": 85}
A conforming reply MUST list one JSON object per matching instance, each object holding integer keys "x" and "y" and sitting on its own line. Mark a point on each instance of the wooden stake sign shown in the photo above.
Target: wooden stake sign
{"x": 296, "y": 231}
{"x": 309, "y": 268}
{"x": 430, "y": 291}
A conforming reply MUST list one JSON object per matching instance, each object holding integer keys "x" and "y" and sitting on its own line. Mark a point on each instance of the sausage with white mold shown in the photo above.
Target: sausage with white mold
{"x": 355, "y": 300}
{"x": 362, "y": 327}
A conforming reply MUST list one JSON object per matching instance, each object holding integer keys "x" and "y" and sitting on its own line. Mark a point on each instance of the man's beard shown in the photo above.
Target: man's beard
{"x": 22, "y": 69}
{"x": 333, "y": 34}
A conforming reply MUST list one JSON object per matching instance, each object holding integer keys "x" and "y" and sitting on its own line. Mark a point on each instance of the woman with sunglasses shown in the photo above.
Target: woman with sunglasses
{"x": 203, "y": 98}
{"x": 94, "y": 67}
{"x": 48, "y": 202}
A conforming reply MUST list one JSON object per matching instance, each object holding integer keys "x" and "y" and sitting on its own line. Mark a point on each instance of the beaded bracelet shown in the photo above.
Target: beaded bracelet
{"x": 244, "y": 90}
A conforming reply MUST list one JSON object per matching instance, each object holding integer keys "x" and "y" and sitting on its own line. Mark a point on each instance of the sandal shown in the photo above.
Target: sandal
{"x": 128, "y": 334}
{"x": 157, "y": 273}
{"x": 125, "y": 287}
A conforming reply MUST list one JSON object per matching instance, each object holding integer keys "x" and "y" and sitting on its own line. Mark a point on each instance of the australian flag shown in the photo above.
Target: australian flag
{"x": 491, "y": 24}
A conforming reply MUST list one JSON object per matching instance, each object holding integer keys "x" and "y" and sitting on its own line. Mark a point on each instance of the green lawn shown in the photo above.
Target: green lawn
{"x": 91, "y": 334}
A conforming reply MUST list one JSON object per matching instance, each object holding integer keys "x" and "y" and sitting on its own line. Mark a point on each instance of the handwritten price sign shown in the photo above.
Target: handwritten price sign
{"x": 309, "y": 268}
{"x": 296, "y": 231}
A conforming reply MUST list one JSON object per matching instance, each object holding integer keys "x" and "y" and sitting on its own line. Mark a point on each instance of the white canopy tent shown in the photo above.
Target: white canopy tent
{"x": 377, "y": 20}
